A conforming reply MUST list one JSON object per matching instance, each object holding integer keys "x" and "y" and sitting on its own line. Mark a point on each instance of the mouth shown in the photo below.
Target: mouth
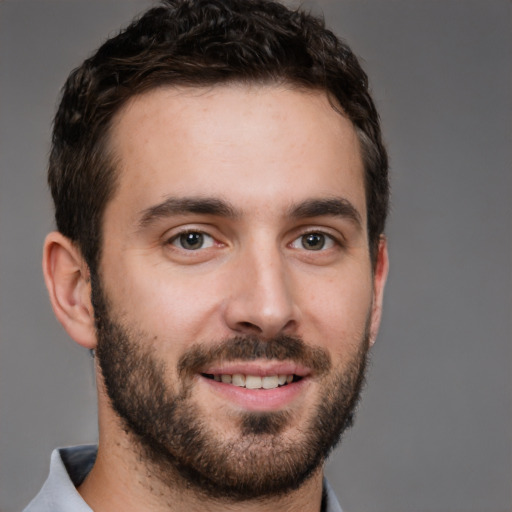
{"x": 247, "y": 381}
{"x": 258, "y": 385}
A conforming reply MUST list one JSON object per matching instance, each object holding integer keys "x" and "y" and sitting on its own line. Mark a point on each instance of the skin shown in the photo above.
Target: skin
{"x": 263, "y": 151}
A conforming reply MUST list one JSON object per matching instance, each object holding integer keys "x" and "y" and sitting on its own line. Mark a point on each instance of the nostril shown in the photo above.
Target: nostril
{"x": 248, "y": 326}
{"x": 290, "y": 326}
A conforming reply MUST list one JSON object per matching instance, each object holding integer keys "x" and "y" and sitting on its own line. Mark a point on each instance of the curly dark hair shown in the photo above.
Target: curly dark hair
{"x": 200, "y": 43}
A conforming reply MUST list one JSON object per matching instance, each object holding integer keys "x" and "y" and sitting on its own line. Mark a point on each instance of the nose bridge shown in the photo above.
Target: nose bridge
{"x": 263, "y": 301}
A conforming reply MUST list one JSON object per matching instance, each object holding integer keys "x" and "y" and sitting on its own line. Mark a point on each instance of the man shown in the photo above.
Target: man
{"x": 220, "y": 190}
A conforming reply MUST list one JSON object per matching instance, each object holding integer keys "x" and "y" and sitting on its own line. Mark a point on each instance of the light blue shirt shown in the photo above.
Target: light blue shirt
{"x": 68, "y": 469}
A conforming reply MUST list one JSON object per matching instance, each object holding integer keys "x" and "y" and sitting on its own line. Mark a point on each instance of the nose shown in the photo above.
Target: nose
{"x": 261, "y": 299}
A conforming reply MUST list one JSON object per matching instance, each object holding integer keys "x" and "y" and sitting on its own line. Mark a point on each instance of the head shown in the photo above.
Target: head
{"x": 221, "y": 192}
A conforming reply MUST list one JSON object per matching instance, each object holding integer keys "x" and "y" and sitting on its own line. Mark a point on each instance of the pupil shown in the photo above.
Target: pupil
{"x": 191, "y": 240}
{"x": 313, "y": 241}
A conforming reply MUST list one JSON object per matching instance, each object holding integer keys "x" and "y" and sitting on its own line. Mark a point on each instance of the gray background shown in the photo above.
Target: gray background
{"x": 433, "y": 432}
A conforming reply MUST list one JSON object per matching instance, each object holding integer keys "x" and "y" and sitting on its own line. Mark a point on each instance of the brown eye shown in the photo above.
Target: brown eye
{"x": 313, "y": 241}
{"x": 192, "y": 241}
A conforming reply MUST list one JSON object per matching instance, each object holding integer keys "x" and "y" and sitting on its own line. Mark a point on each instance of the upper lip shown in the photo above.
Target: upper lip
{"x": 259, "y": 368}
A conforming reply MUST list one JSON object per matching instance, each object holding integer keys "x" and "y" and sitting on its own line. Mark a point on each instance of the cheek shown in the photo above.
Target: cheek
{"x": 168, "y": 305}
{"x": 338, "y": 308}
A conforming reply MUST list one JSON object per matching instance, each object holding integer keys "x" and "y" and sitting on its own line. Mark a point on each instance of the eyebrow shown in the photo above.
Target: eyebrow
{"x": 187, "y": 205}
{"x": 331, "y": 207}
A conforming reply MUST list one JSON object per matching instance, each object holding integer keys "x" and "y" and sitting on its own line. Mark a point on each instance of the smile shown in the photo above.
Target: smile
{"x": 254, "y": 381}
{"x": 258, "y": 385}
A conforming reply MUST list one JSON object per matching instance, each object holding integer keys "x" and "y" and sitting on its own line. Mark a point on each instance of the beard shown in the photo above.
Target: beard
{"x": 172, "y": 436}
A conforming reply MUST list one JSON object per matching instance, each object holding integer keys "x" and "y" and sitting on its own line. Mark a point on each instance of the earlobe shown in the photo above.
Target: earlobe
{"x": 68, "y": 282}
{"x": 379, "y": 283}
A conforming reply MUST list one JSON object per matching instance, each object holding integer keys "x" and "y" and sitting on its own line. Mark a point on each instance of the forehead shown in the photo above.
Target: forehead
{"x": 254, "y": 145}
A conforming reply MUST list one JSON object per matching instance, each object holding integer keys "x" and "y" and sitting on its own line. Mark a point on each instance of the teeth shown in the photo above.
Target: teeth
{"x": 270, "y": 382}
{"x": 254, "y": 381}
{"x": 281, "y": 379}
{"x": 238, "y": 380}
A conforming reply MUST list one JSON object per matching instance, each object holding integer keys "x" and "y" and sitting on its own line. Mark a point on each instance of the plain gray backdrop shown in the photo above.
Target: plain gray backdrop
{"x": 433, "y": 432}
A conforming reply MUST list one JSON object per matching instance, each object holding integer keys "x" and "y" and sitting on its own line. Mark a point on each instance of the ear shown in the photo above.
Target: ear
{"x": 379, "y": 282}
{"x": 67, "y": 278}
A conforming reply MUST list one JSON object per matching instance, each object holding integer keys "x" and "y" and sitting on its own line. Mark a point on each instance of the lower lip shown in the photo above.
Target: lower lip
{"x": 258, "y": 399}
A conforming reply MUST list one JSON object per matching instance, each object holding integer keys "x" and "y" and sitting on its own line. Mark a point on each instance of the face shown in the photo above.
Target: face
{"x": 237, "y": 297}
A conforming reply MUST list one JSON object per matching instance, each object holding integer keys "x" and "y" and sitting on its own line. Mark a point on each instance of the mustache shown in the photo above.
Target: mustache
{"x": 249, "y": 348}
